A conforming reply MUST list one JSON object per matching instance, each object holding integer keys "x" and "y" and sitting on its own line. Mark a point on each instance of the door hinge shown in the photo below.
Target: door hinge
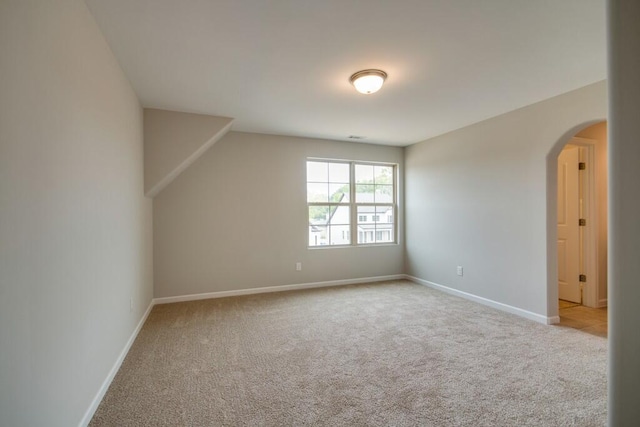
{"x": 582, "y": 166}
{"x": 582, "y": 222}
{"x": 583, "y": 278}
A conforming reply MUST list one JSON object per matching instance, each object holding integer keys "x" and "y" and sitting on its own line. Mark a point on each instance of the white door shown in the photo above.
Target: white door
{"x": 568, "y": 228}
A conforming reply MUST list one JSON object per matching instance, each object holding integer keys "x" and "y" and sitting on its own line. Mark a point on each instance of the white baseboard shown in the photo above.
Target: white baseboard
{"x": 114, "y": 370}
{"x": 603, "y": 303}
{"x": 280, "y": 288}
{"x": 552, "y": 320}
{"x": 485, "y": 301}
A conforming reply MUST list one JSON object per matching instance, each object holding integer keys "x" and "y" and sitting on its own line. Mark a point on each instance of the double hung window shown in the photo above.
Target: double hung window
{"x": 351, "y": 203}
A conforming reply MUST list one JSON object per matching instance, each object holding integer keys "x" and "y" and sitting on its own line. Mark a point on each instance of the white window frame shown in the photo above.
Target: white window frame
{"x": 353, "y": 205}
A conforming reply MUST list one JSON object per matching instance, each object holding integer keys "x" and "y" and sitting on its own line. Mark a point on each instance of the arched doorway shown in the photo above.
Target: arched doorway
{"x": 577, "y": 228}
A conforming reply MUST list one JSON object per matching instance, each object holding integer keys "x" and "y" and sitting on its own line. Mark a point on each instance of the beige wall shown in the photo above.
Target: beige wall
{"x": 173, "y": 141}
{"x": 237, "y": 218}
{"x": 477, "y": 197}
{"x": 598, "y": 133}
{"x": 624, "y": 211}
{"x": 75, "y": 229}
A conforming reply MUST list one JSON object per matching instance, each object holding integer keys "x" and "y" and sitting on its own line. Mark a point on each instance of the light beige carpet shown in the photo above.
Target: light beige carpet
{"x": 390, "y": 354}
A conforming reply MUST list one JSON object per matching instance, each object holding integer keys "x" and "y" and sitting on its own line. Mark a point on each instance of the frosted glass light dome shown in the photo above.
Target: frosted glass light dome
{"x": 368, "y": 81}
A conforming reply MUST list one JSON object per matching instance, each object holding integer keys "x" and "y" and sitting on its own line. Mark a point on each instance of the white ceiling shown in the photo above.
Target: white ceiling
{"x": 282, "y": 66}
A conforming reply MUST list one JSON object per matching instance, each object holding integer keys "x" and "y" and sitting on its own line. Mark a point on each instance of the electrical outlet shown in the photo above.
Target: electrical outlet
{"x": 298, "y": 266}
{"x": 459, "y": 270}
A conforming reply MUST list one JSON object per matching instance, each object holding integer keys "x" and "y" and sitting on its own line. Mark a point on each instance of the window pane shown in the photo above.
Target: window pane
{"x": 364, "y": 174}
{"x": 318, "y": 215}
{"x": 339, "y": 235}
{"x": 318, "y": 236}
{"x": 384, "y": 236}
{"x": 317, "y": 172}
{"x": 318, "y": 193}
{"x": 339, "y": 193}
{"x": 367, "y": 212}
{"x": 339, "y": 215}
{"x": 384, "y": 225}
{"x": 366, "y": 227}
{"x": 384, "y": 193}
{"x": 383, "y": 174}
{"x": 329, "y": 225}
{"x": 364, "y": 193}
{"x": 366, "y": 236}
{"x": 339, "y": 172}
{"x": 384, "y": 212}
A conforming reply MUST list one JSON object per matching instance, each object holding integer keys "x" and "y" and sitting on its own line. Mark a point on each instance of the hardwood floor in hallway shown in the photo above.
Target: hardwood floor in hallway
{"x": 590, "y": 320}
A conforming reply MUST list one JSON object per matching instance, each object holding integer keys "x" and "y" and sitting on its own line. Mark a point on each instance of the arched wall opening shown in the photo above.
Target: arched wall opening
{"x": 552, "y": 215}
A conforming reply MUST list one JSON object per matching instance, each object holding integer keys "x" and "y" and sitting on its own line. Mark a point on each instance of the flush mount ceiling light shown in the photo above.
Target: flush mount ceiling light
{"x": 368, "y": 81}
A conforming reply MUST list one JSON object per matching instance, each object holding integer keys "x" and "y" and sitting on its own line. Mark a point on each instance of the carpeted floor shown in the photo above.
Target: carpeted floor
{"x": 389, "y": 354}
